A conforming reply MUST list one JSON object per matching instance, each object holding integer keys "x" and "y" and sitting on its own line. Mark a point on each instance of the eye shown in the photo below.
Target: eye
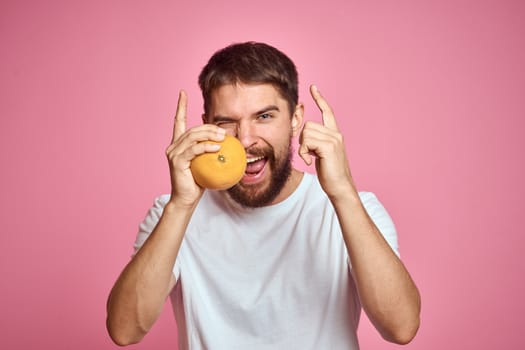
{"x": 225, "y": 124}
{"x": 265, "y": 116}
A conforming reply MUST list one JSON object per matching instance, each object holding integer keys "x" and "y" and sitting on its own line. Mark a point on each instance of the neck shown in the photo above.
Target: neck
{"x": 291, "y": 185}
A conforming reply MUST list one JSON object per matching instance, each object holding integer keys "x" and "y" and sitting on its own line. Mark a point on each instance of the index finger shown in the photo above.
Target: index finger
{"x": 326, "y": 110}
{"x": 179, "y": 126}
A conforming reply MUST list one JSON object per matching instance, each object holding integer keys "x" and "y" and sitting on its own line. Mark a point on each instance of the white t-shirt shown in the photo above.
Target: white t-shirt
{"x": 276, "y": 277}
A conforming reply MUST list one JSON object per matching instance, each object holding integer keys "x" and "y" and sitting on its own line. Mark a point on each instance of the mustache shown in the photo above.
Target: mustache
{"x": 267, "y": 152}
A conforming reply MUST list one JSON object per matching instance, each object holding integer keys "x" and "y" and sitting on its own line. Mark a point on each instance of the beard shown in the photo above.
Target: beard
{"x": 280, "y": 164}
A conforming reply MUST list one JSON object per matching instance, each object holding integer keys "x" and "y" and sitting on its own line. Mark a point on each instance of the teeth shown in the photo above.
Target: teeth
{"x": 251, "y": 160}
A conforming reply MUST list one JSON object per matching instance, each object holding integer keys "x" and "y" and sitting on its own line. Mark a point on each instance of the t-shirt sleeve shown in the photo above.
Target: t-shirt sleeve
{"x": 148, "y": 225}
{"x": 381, "y": 219}
{"x": 149, "y": 222}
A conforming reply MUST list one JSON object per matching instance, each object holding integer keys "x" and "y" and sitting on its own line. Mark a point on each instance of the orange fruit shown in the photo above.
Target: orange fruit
{"x": 222, "y": 169}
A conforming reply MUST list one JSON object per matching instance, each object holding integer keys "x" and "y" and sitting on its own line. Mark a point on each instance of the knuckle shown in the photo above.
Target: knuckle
{"x": 334, "y": 143}
{"x": 308, "y": 127}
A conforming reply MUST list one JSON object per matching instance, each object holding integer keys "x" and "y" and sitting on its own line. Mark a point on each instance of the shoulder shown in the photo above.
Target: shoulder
{"x": 381, "y": 218}
{"x": 158, "y": 204}
{"x": 161, "y": 200}
{"x": 154, "y": 213}
{"x": 372, "y": 205}
{"x": 368, "y": 198}
{"x": 311, "y": 185}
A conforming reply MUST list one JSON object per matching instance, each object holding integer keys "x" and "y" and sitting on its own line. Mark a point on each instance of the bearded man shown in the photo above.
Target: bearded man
{"x": 282, "y": 260}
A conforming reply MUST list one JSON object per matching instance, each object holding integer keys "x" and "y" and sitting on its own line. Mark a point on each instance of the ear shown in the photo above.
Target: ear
{"x": 204, "y": 119}
{"x": 297, "y": 119}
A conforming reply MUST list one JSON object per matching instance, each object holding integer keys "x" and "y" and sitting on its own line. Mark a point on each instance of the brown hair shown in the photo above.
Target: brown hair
{"x": 248, "y": 63}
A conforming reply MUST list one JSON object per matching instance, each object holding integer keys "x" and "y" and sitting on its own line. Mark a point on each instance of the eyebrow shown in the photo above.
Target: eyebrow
{"x": 220, "y": 118}
{"x": 267, "y": 109}
{"x": 223, "y": 118}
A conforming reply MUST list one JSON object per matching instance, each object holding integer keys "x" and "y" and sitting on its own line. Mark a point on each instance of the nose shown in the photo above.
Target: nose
{"x": 246, "y": 134}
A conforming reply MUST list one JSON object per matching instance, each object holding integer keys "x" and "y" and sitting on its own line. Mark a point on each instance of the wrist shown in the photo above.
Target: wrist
{"x": 347, "y": 194}
{"x": 179, "y": 205}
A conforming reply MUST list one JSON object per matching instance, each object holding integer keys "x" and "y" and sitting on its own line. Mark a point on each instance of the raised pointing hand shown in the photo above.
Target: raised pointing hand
{"x": 185, "y": 145}
{"x": 325, "y": 143}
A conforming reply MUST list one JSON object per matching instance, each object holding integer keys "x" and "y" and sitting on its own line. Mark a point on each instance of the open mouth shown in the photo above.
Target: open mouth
{"x": 255, "y": 167}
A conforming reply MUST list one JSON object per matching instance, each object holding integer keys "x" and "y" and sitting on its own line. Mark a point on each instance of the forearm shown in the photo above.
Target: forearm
{"x": 386, "y": 290}
{"x": 140, "y": 292}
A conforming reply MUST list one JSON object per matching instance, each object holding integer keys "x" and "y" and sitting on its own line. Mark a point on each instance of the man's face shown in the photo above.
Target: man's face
{"x": 260, "y": 118}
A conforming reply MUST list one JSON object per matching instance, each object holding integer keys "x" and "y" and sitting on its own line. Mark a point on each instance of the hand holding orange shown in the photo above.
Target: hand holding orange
{"x": 222, "y": 169}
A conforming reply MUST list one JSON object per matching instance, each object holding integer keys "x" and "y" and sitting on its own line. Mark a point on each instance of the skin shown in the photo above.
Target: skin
{"x": 388, "y": 294}
{"x": 260, "y": 119}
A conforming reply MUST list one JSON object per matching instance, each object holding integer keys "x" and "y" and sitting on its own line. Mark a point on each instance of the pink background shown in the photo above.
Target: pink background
{"x": 430, "y": 96}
